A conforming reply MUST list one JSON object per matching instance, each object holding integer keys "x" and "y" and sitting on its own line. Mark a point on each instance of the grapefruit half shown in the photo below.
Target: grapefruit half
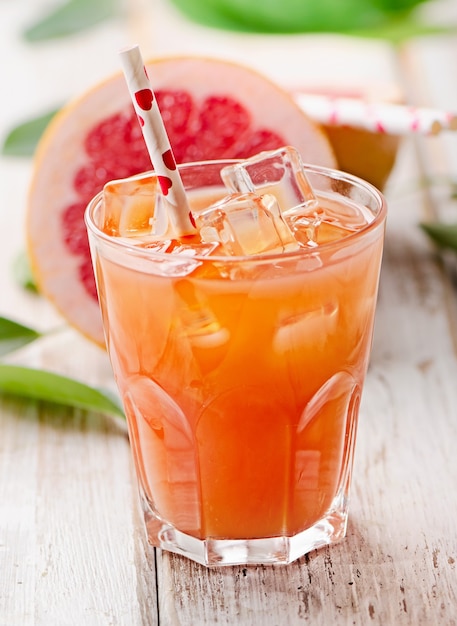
{"x": 211, "y": 109}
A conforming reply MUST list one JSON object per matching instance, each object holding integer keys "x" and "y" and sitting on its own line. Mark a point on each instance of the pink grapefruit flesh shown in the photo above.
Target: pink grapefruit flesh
{"x": 211, "y": 109}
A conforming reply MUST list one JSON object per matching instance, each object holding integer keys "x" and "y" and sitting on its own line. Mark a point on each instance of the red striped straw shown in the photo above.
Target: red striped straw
{"x": 157, "y": 141}
{"x": 393, "y": 119}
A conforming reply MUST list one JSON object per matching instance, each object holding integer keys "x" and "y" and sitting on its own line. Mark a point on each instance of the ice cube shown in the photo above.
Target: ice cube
{"x": 313, "y": 231}
{"x": 307, "y": 330}
{"x": 305, "y": 228}
{"x": 246, "y": 224}
{"x": 179, "y": 246}
{"x": 165, "y": 452}
{"x": 279, "y": 172}
{"x": 133, "y": 207}
{"x": 325, "y": 223}
{"x": 199, "y": 323}
{"x": 178, "y": 258}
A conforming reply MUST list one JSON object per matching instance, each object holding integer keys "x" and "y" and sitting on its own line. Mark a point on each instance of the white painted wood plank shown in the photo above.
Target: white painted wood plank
{"x": 18, "y": 459}
{"x": 72, "y": 545}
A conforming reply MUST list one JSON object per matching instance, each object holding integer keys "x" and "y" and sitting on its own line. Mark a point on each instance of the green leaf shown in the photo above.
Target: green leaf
{"x": 72, "y": 17}
{"x": 22, "y": 140}
{"x": 14, "y": 335}
{"x": 444, "y": 235}
{"x": 387, "y": 19}
{"x": 22, "y": 272}
{"x": 400, "y": 29}
{"x": 43, "y": 385}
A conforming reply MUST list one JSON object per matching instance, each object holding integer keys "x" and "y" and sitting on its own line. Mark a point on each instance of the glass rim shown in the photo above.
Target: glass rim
{"x": 335, "y": 174}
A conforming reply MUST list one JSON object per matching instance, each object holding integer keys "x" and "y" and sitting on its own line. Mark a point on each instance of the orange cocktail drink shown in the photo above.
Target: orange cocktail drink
{"x": 241, "y": 376}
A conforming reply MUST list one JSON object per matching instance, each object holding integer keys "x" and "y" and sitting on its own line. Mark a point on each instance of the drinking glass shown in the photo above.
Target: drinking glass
{"x": 241, "y": 377}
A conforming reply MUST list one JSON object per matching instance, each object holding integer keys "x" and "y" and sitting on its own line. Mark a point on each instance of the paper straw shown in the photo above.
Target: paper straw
{"x": 157, "y": 141}
{"x": 392, "y": 119}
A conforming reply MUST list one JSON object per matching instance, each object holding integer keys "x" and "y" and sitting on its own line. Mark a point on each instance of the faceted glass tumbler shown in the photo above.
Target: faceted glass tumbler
{"x": 241, "y": 376}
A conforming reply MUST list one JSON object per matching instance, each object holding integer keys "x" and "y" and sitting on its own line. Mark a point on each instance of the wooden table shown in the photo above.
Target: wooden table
{"x": 72, "y": 546}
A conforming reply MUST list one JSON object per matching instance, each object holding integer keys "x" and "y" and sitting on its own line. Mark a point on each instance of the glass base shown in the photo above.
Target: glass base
{"x": 267, "y": 551}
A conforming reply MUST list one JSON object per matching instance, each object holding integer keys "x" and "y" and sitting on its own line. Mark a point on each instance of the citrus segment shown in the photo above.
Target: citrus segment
{"x": 211, "y": 109}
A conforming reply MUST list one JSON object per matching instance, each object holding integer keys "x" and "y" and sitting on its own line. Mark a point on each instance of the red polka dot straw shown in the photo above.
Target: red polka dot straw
{"x": 378, "y": 117}
{"x": 156, "y": 140}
